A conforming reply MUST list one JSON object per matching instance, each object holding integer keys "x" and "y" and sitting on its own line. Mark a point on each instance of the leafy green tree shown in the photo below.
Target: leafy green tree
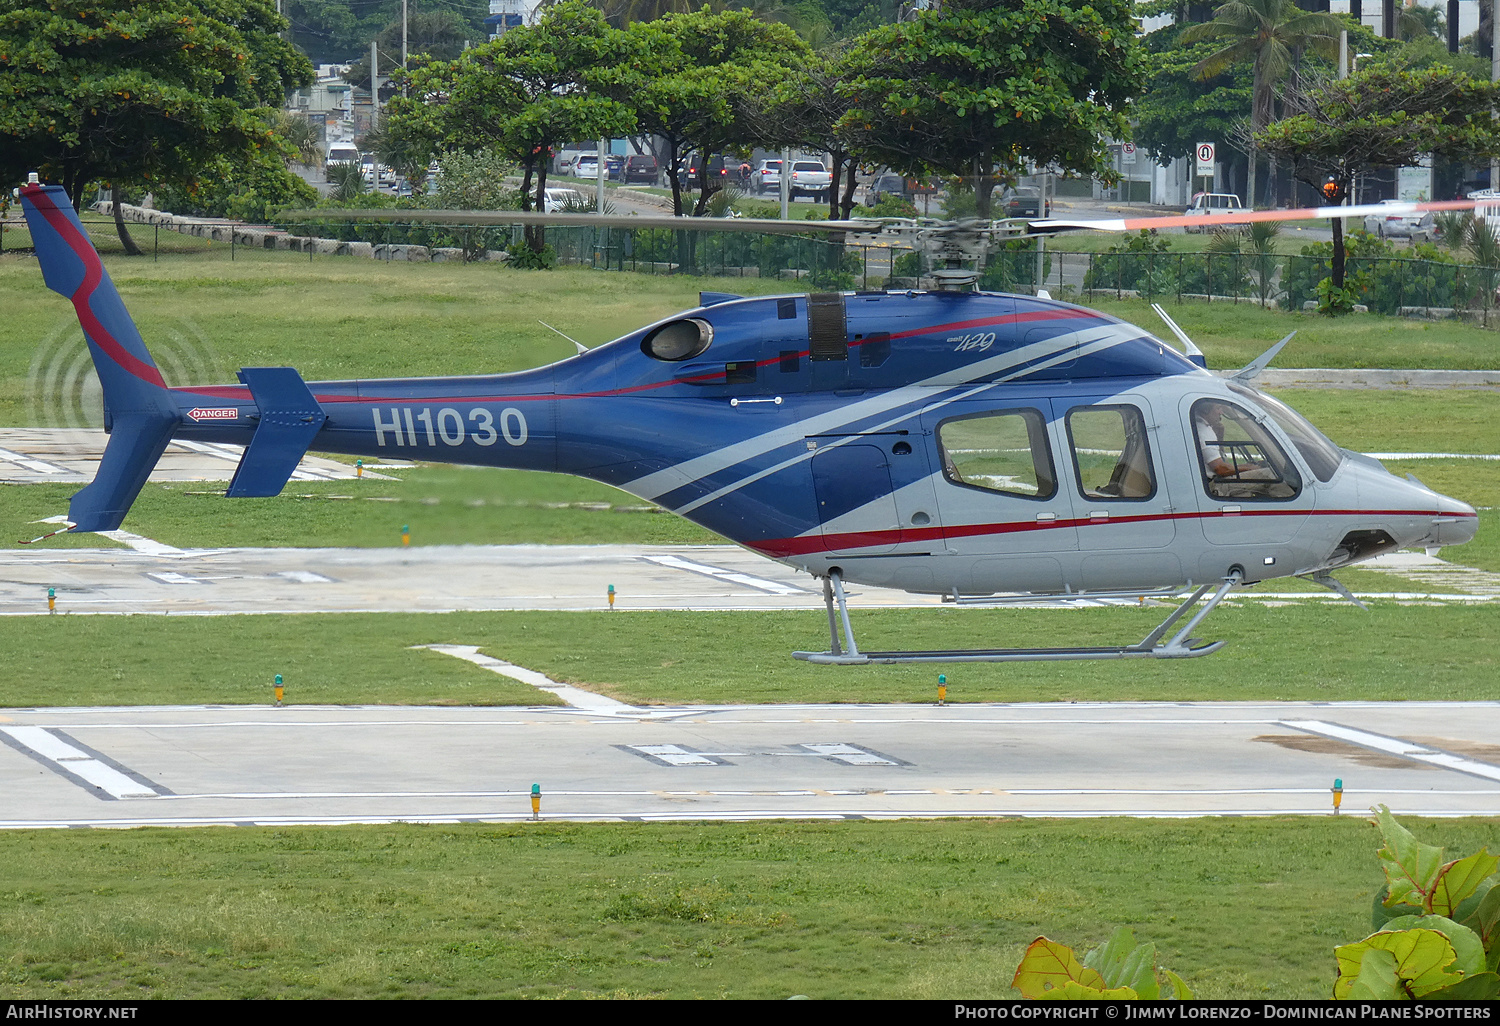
{"x": 804, "y": 110}
{"x": 523, "y": 95}
{"x": 140, "y": 94}
{"x": 1178, "y": 110}
{"x": 440, "y": 34}
{"x": 982, "y": 88}
{"x": 1264, "y": 34}
{"x": 1382, "y": 117}
{"x": 339, "y": 31}
{"x": 701, "y": 81}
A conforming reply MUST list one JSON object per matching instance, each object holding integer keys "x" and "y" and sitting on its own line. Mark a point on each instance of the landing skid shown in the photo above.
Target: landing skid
{"x": 1180, "y": 646}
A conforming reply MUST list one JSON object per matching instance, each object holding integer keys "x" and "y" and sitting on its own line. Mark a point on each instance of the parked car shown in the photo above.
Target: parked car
{"x": 811, "y": 178}
{"x": 586, "y": 166}
{"x": 614, "y": 167}
{"x": 884, "y": 185}
{"x": 1212, "y": 204}
{"x": 766, "y": 177}
{"x": 1416, "y": 227}
{"x": 640, "y": 168}
{"x": 558, "y": 200}
{"x": 1025, "y": 201}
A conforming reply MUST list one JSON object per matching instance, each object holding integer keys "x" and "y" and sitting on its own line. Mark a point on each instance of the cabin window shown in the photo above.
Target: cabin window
{"x": 1004, "y": 451}
{"x": 1238, "y": 457}
{"x": 1322, "y": 456}
{"x": 1110, "y": 453}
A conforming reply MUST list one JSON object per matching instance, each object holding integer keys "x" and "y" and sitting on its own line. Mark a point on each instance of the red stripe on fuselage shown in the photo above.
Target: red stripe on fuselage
{"x": 802, "y": 545}
{"x": 93, "y": 273}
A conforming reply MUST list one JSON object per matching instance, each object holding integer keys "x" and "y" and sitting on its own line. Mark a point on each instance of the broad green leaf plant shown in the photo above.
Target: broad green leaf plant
{"x": 1120, "y": 969}
{"x": 1437, "y": 925}
{"x": 1437, "y": 937}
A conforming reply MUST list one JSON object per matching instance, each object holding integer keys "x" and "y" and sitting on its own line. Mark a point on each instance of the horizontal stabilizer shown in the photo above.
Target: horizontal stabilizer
{"x": 290, "y": 417}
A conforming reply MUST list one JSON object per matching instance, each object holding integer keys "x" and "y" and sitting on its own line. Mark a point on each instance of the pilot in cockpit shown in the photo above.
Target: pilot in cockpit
{"x": 1224, "y": 458}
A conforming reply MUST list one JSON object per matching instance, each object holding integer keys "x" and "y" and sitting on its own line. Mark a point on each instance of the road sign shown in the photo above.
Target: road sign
{"x": 1205, "y": 159}
{"x": 1127, "y": 153}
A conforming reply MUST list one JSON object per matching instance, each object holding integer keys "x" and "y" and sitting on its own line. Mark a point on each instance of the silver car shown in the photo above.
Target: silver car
{"x": 1416, "y": 227}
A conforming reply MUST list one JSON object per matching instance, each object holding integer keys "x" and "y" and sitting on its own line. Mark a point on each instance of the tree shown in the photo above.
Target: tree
{"x": 1382, "y": 117}
{"x": 140, "y": 93}
{"x": 1177, "y": 110}
{"x": 522, "y": 95}
{"x": 805, "y": 108}
{"x": 701, "y": 81}
{"x": 982, "y": 88}
{"x": 1265, "y": 34}
{"x": 441, "y": 34}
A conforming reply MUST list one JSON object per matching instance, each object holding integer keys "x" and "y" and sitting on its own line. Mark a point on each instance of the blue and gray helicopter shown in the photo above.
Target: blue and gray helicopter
{"x": 944, "y": 441}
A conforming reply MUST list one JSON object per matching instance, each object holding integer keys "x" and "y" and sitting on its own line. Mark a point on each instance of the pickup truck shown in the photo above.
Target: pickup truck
{"x": 811, "y": 178}
{"x": 1210, "y": 205}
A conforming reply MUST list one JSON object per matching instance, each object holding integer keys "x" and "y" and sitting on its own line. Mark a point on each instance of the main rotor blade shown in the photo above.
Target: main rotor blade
{"x": 1130, "y": 224}
{"x": 532, "y": 217}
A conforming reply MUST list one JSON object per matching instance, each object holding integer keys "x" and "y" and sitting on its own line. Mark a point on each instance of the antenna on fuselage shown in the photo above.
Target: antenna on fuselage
{"x": 1192, "y": 352}
{"x": 581, "y": 347}
{"x": 1250, "y": 370}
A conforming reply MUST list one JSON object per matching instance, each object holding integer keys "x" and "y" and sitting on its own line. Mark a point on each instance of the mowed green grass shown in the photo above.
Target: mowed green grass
{"x": 1309, "y": 652}
{"x": 1241, "y": 908}
{"x": 443, "y": 505}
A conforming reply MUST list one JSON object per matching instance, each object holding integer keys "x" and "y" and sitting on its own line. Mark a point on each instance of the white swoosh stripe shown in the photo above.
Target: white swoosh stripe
{"x": 654, "y": 485}
{"x": 1082, "y": 350}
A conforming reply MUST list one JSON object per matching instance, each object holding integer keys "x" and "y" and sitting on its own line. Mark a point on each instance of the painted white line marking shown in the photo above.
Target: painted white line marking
{"x": 674, "y": 755}
{"x": 575, "y": 697}
{"x": 172, "y": 577}
{"x": 684, "y": 816}
{"x": 40, "y": 466}
{"x": 719, "y": 573}
{"x": 304, "y": 577}
{"x": 1430, "y": 456}
{"x": 1395, "y": 746}
{"x": 78, "y": 763}
{"x": 849, "y": 754}
{"x": 143, "y": 545}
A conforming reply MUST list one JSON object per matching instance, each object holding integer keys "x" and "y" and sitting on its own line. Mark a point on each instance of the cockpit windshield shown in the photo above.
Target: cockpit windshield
{"x": 1322, "y": 456}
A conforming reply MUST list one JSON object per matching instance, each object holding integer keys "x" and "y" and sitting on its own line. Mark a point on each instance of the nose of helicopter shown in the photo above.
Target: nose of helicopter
{"x": 1452, "y": 522}
{"x": 1456, "y": 522}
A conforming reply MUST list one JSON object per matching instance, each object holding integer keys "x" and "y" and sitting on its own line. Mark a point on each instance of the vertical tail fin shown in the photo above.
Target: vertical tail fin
{"x": 139, "y": 411}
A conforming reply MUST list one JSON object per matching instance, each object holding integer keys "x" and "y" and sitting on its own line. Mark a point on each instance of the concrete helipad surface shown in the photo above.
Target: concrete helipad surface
{"x": 260, "y": 765}
{"x": 156, "y": 578}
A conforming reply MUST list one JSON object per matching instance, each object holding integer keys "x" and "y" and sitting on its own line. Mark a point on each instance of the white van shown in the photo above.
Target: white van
{"x": 341, "y": 153}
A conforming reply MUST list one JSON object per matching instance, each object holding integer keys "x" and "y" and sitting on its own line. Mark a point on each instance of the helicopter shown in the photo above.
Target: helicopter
{"x": 977, "y": 446}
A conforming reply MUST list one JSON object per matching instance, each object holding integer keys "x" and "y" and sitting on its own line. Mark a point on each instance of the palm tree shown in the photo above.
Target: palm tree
{"x": 1265, "y": 32}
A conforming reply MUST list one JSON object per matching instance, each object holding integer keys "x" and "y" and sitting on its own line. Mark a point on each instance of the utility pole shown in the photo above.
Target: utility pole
{"x": 1494, "y": 77}
{"x": 374, "y": 84}
{"x": 403, "y": 44}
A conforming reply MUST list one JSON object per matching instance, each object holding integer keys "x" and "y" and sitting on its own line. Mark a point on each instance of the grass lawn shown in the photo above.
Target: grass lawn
{"x": 1312, "y": 652}
{"x": 443, "y": 505}
{"x": 1240, "y": 908}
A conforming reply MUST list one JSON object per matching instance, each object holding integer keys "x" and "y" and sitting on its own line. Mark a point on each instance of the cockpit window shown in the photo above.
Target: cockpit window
{"x": 1238, "y": 457}
{"x": 679, "y": 340}
{"x": 1322, "y": 456}
{"x": 1003, "y": 451}
{"x": 1110, "y": 452}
